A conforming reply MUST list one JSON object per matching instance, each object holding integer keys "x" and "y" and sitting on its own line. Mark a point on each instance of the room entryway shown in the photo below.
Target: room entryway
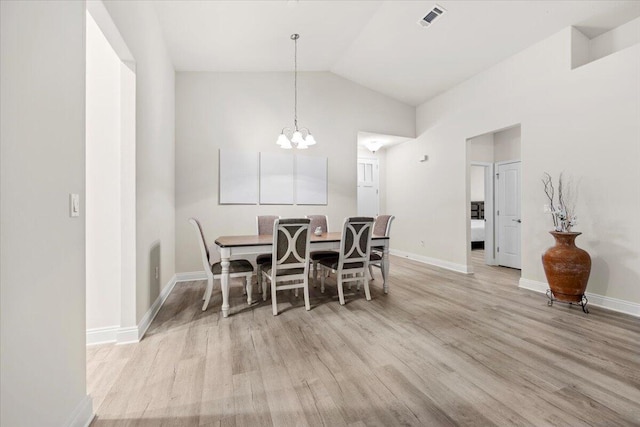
{"x": 494, "y": 198}
{"x": 368, "y": 187}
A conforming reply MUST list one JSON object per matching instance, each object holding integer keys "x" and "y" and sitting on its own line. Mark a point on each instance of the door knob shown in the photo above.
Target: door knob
{"x": 516, "y": 220}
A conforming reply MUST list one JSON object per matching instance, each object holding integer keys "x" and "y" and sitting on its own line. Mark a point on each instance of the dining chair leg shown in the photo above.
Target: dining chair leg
{"x": 295, "y": 292}
{"x": 371, "y": 271}
{"x": 274, "y": 302}
{"x": 264, "y": 287}
{"x": 325, "y": 274}
{"x": 340, "y": 290}
{"x": 249, "y": 288}
{"x": 315, "y": 273}
{"x": 306, "y": 294}
{"x": 207, "y": 294}
{"x": 365, "y": 282}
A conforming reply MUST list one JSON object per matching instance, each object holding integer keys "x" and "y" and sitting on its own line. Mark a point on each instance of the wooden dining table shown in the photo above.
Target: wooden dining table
{"x": 230, "y": 246}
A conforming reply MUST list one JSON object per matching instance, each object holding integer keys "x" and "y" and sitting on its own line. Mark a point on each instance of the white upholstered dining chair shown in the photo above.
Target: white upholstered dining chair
{"x": 315, "y": 256}
{"x": 352, "y": 261}
{"x": 289, "y": 268}
{"x": 381, "y": 227}
{"x": 264, "y": 226}
{"x": 237, "y": 268}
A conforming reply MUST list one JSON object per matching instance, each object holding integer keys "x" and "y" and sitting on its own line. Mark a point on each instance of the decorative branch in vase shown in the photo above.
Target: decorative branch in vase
{"x": 566, "y": 266}
{"x": 562, "y": 212}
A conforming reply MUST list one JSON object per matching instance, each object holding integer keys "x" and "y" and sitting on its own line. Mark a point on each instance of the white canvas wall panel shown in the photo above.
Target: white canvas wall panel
{"x": 311, "y": 180}
{"x": 238, "y": 177}
{"x": 276, "y": 179}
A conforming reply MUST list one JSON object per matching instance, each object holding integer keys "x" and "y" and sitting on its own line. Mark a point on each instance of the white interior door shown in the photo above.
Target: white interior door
{"x": 508, "y": 214}
{"x": 368, "y": 197}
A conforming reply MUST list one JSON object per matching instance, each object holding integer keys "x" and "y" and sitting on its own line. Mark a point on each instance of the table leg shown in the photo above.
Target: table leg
{"x": 225, "y": 255}
{"x": 385, "y": 268}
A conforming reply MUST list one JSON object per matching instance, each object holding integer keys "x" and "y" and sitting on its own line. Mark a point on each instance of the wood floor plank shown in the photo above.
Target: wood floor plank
{"x": 440, "y": 349}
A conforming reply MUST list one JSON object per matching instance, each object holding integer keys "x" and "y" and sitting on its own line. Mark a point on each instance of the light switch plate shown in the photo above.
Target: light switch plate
{"x": 74, "y": 205}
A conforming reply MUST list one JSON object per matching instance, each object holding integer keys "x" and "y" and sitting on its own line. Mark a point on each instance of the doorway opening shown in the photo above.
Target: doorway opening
{"x": 494, "y": 199}
{"x": 110, "y": 182}
{"x": 372, "y": 153}
{"x": 368, "y": 187}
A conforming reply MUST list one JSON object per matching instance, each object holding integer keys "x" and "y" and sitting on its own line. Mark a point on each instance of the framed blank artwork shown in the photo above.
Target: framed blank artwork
{"x": 238, "y": 177}
{"x": 311, "y": 180}
{"x": 276, "y": 179}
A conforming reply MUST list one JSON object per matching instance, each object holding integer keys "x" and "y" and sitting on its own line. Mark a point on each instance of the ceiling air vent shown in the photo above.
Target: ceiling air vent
{"x": 433, "y": 14}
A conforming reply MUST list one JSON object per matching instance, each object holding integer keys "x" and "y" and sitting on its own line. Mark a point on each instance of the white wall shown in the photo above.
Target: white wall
{"x": 618, "y": 38}
{"x": 155, "y": 148}
{"x": 42, "y": 256}
{"x": 103, "y": 180}
{"x": 583, "y": 122}
{"x": 481, "y": 148}
{"x": 247, "y": 111}
{"x": 506, "y": 145}
{"x": 476, "y": 181}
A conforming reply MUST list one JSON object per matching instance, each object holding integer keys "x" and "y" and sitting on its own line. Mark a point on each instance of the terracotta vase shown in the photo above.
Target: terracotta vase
{"x": 567, "y": 267}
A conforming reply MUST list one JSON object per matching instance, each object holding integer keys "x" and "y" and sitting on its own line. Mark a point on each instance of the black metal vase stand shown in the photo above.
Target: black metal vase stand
{"x": 583, "y": 301}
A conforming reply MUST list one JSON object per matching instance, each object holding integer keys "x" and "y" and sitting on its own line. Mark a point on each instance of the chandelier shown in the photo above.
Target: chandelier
{"x": 293, "y": 138}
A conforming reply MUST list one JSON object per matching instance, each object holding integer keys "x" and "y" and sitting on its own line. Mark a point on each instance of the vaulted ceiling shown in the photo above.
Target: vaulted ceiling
{"x": 377, "y": 44}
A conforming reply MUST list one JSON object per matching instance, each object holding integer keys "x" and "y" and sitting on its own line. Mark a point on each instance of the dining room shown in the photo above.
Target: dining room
{"x": 251, "y": 289}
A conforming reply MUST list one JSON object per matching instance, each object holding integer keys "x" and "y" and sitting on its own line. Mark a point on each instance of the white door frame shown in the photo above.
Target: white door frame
{"x": 127, "y": 330}
{"x": 495, "y": 183}
{"x": 489, "y": 214}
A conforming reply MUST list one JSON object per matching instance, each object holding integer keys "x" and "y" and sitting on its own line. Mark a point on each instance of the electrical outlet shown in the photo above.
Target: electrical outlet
{"x": 157, "y": 272}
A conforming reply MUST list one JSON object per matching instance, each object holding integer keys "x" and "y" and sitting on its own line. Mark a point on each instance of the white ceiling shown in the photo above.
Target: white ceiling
{"x": 377, "y": 44}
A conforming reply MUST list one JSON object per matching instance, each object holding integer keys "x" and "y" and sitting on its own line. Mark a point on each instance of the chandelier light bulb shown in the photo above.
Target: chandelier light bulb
{"x": 297, "y": 138}
{"x": 283, "y": 140}
{"x": 287, "y": 145}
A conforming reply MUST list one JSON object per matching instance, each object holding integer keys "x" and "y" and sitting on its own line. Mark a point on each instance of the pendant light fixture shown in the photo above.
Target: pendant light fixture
{"x": 293, "y": 138}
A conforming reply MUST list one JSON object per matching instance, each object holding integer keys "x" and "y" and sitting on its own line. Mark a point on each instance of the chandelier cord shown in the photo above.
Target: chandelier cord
{"x": 295, "y": 83}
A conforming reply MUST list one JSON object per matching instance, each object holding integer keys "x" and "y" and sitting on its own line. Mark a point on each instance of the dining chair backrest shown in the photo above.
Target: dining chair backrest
{"x": 291, "y": 238}
{"x": 265, "y": 224}
{"x": 319, "y": 221}
{"x": 382, "y": 226}
{"x": 355, "y": 245}
{"x": 204, "y": 249}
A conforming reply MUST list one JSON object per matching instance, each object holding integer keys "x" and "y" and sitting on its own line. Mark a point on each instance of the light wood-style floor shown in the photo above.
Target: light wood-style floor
{"x": 441, "y": 348}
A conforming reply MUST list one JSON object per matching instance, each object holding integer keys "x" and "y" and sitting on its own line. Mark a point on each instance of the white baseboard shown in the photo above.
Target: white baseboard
{"x": 83, "y": 414}
{"x": 132, "y": 334}
{"x": 613, "y": 304}
{"x": 154, "y": 309}
{"x": 533, "y": 285}
{"x": 128, "y": 335}
{"x": 460, "y": 268}
{"x": 102, "y": 335}
{"x": 191, "y": 276}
